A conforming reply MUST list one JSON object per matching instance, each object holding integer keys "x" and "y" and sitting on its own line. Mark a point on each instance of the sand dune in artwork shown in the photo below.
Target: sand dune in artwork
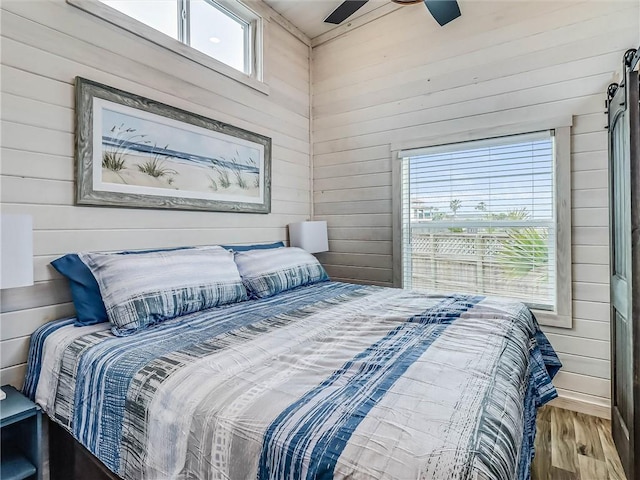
{"x": 171, "y": 174}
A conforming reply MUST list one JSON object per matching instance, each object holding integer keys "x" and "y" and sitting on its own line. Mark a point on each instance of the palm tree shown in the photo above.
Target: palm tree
{"x": 525, "y": 250}
{"x": 481, "y": 207}
{"x": 455, "y": 205}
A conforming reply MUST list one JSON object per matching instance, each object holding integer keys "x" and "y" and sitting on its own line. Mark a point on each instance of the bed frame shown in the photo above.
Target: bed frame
{"x": 68, "y": 459}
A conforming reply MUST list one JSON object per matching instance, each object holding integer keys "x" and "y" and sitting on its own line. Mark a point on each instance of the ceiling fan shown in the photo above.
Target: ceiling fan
{"x": 442, "y": 10}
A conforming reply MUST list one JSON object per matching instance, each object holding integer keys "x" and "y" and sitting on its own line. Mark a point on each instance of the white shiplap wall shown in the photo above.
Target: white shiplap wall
{"x": 45, "y": 45}
{"x": 402, "y": 77}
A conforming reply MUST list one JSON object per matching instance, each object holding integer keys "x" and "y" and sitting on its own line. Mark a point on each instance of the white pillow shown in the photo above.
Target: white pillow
{"x": 268, "y": 272}
{"x": 147, "y": 288}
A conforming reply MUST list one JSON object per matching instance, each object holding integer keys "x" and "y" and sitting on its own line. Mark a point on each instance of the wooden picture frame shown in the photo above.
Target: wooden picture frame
{"x": 135, "y": 152}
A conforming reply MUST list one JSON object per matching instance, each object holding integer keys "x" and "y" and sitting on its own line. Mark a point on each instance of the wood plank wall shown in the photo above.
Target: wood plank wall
{"x": 45, "y": 44}
{"x": 403, "y": 77}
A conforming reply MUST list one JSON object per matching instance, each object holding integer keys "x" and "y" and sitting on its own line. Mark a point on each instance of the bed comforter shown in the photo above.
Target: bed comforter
{"x": 326, "y": 381}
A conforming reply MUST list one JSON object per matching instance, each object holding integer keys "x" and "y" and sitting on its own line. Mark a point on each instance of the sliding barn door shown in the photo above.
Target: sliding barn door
{"x": 624, "y": 206}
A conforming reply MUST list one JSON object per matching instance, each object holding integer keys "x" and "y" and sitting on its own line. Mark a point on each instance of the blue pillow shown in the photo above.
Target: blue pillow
{"x": 85, "y": 291}
{"x": 259, "y": 246}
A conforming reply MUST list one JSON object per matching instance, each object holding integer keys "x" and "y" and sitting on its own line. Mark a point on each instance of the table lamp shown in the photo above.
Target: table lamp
{"x": 16, "y": 253}
{"x": 310, "y": 236}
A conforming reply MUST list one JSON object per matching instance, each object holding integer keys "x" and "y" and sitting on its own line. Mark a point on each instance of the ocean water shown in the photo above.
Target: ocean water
{"x": 182, "y": 157}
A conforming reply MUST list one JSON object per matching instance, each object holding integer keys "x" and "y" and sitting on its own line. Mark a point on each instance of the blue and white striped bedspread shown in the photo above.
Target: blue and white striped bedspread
{"x": 326, "y": 381}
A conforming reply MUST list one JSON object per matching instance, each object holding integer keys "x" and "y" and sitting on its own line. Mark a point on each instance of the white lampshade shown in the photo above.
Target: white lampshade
{"x": 16, "y": 255}
{"x": 310, "y": 236}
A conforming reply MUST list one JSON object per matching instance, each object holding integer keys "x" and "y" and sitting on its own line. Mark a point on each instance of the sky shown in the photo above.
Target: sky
{"x": 181, "y": 140}
{"x": 505, "y": 178}
{"x": 212, "y": 31}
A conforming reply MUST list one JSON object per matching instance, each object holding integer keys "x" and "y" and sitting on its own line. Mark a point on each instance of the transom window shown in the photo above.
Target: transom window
{"x": 480, "y": 217}
{"x": 224, "y": 31}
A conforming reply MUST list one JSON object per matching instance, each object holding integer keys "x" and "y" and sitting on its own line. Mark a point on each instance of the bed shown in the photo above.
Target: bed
{"x": 329, "y": 380}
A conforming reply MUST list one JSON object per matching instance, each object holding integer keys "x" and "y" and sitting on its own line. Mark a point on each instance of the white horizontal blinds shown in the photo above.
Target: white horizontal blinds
{"x": 479, "y": 217}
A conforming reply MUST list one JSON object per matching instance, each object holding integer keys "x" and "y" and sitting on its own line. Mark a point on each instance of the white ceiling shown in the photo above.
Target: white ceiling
{"x": 309, "y": 15}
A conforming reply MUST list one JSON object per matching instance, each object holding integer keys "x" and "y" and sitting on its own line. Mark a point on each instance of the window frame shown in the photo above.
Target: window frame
{"x": 254, "y": 45}
{"x": 562, "y": 315}
{"x": 234, "y": 12}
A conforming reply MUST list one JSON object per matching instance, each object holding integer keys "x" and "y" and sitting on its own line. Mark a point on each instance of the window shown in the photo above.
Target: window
{"x": 158, "y": 14}
{"x": 220, "y": 31}
{"x": 483, "y": 217}
{"x": 223, "y": 35}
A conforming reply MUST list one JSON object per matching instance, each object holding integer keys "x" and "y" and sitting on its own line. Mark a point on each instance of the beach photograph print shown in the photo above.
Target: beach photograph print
{"x": 140, "y": 152}
{"x": 135, "y": 152}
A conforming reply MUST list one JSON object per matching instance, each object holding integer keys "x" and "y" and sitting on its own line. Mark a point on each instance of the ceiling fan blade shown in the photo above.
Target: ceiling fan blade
{"x": 344, "y": 11}
{"x": 443, "y": 10}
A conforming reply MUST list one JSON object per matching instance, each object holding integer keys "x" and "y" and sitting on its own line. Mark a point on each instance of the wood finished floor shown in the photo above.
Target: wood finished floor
{"x": 574, "y": 446}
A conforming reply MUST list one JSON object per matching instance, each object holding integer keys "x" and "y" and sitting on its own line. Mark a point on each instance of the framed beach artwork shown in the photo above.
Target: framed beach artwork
{"x": 135, "y": 152}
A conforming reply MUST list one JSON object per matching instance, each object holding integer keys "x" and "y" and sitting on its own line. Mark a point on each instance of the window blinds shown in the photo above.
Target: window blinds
{"x": 479, "y": 217}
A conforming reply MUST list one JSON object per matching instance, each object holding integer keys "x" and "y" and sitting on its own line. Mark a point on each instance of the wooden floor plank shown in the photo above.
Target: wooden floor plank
{"x": 544, "y": 414}
{"x": 563, "y": 454}
{"x": 614, "y": 466}
{"x": 541, "y": 465}
{"x": 572, "y": 446}
{"x": 560, "y": 474}
{"x": 590, "y": 468}
{"x": 588, "y": 440}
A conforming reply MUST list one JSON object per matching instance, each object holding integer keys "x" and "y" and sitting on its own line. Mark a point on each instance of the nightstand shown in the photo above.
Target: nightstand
{"x": 21, "y": 429}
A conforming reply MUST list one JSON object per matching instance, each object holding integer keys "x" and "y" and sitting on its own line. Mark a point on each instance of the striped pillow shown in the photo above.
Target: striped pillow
{"x": 268, "y": 272}
{"x": 142, "y": 290}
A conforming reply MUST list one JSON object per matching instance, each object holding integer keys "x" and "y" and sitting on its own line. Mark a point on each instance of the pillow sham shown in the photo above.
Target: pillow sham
{"x": 85, "y": 291}
{"x": 145, "y": 289}
{"x": 258, "y": 246}
{"x": 268, "y": 272}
